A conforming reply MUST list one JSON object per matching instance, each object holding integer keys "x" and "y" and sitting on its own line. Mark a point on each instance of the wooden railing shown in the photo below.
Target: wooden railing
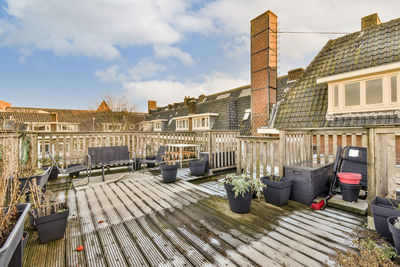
{"x": 73, "y": 146}
{"x": 9, "y": 147}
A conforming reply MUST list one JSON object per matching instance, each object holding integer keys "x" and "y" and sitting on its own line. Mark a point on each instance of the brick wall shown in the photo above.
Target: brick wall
{"x": 263, "y": 68}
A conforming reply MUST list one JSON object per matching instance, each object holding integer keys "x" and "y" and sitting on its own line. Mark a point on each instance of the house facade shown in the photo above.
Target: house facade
{"x": 69, "y": 120}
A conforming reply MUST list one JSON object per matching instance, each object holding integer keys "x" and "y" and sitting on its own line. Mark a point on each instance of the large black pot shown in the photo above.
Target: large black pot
{"x": 11, "y": 253}
{"x": 383, "y": 208}
{"x": 169, "y": 172}
{"x": 277, "y": 193}
{"x": 52, "y": 227}
{"x": 53, "y": 173}
{"x": 241, "y": 203}
{"x": 350, "y": 192}
{"x": 395, "y": 232}
{"x": 151, "y": 165}
{"x": 197, "y": 167}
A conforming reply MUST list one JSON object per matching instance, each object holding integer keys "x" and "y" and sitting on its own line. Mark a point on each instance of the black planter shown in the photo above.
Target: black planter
{"x": 41, "y": 180}
{"x": 53, "y": 173}
{"x": 169, "y": 172}
{"x": 11, "y": 252}
{"x": 197, "y": 167}
{"x": 383, "y": 208}
{"x": 52, "y": 227}
{"x": 350, "y": 192}
{"x": 240, "y": 204}
{"x": 395, "y": 233}
{"x": 277, "y": 193}
{"x": 151, "y": 165}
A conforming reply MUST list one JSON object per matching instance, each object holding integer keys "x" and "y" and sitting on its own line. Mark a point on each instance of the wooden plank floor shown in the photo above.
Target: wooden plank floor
{"x": 148, "y": 223}
{"x": 183, "y": 174}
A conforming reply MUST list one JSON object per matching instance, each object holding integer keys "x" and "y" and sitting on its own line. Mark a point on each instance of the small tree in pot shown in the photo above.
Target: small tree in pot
{"x": 277, "y": 190}
{"x": 239, "y": 190}
{"x": 169, "y": 169}
{"x": 50, "y": 218}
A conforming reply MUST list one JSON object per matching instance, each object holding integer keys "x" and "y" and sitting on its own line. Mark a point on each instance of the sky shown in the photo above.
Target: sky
{"x": 69, "y": 54}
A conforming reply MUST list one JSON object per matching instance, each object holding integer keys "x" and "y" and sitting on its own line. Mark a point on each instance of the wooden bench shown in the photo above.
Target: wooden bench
{"x": 109, "y": 156}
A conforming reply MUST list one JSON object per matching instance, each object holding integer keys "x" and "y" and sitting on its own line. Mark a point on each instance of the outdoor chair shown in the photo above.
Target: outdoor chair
{"x": 158, "y": 159}
{"x": 354, "y": 160}
{"x": 73, "y": 168}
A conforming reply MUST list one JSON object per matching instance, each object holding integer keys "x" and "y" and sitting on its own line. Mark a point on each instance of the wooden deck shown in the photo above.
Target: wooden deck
{"x": 148, "y": 223}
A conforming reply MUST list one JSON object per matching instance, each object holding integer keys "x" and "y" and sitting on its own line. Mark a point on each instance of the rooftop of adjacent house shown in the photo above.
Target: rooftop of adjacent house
{"x": 306, "y": 104}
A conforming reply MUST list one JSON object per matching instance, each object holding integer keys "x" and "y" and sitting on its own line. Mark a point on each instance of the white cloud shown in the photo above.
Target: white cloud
{"x": 145, "y": 68}
{"x": 111, "y": 74}
{"x": 169, "y": 91}
{"x": 169, "y": 51}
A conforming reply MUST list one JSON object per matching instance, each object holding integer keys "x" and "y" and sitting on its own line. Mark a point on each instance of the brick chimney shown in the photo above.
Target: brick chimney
{"x": 202, "y": 97}
{"x": 4, "y": 105}
{"x": 263, "y": 57}
{"x": 192, "y": 106}
{"x": 370, "y": 21}
{"x": 151, "y": 105}
{"x": 294, "y": 74}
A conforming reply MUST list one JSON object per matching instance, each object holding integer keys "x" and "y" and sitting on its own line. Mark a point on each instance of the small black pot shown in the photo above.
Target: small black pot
{"x": 383, "y": 208}
{"x": 350, "y": 192}
{"x": 169, "y": 172}
{"x": 51, "y": 227}
{"x": 277, "y": 193}
{"x": 53, "y": 173}
{"x": 395, "y": 233}
{"x": 241, "y": 203}
{"x": 151, "y": 165}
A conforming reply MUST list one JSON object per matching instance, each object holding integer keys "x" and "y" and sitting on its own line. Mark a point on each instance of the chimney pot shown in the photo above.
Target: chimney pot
{"x": 202, "y": 97}
{"x": 370, "y": 21}
{"x": 151, "y": 105}
{"x": 294, "y": 74}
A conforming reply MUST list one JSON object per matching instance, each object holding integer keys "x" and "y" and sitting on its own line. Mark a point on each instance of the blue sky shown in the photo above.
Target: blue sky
{"x": 68, "y": 54}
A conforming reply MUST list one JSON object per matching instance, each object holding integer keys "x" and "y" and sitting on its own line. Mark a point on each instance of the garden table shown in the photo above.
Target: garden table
{"x": 180, "y": 148}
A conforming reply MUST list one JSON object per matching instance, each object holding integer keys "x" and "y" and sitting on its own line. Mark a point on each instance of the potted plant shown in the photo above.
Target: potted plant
{"x": 383, "y": 208}
{"x": 50, "y": 218}
{"x": 239, "y": 190}
{"x": 27, "y": 176}
{"x": 169, "y": 169}
{"x": 394, "y": 228}
{"x": 12, "y": 220}
{"x": 45, "y": 163}
{"x": 277, "y": 189}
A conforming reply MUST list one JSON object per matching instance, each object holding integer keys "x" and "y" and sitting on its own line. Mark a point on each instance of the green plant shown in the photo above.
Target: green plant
{"x": 394, "y": 203}
{"x": 274, "y": 178}
{"x": 397, "y": 223}
{"x": 149, "y": 150}
{"x": 46, "y": 161}
{"x": 243, "y": 184}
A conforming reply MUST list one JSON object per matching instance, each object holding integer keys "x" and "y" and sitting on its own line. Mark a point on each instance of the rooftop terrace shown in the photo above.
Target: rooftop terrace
{"x": 149, "y": 223}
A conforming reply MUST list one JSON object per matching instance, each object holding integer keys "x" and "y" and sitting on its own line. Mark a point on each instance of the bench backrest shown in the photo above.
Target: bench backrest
{"x": 108, "y": 154}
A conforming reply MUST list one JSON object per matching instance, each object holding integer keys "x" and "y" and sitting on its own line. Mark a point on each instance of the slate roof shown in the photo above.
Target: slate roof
{"x": 306, "y": 103}
{"x": 83, "y": 117}
{"x": 230, "y": 106}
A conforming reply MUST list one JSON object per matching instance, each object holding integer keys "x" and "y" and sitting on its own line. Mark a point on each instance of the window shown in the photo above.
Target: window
{"x": 182, "y": 124}
{"x": 201, "y": 123}
{"x": 352, "y": 94}
{"x": 246, "y": 114}
{"x": 393, "y": 87}
{"x": 157, "y": 126}
{"x": 336, "y": 96}
{"x": 373, "y": 91}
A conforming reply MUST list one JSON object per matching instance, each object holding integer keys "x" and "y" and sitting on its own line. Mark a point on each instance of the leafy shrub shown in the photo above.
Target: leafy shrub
{"x": 243, "y": 184}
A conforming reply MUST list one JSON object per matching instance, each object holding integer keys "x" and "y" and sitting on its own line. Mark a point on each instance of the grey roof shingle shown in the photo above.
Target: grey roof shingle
{"x": 305, "y": 105}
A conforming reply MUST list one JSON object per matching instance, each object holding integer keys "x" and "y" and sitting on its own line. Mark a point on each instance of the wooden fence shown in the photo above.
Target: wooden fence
{"x": 73, "y": 146}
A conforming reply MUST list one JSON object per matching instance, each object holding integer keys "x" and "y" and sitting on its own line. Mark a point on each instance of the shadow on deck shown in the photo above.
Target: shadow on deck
{"x": 148, "y": 223}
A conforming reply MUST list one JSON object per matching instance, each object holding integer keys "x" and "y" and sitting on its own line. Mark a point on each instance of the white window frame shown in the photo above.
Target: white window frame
{"x": 182, "y": 125}
{"x": 386, "y": 104}
{"x": 198, "y": 123}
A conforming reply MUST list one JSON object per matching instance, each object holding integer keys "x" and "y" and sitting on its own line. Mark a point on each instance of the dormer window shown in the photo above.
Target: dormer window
{"x": 182, "y": 125}
{"x": 368, "y": 90}
{"x": 201, "y": 123}
{"x": 159, "y": 124}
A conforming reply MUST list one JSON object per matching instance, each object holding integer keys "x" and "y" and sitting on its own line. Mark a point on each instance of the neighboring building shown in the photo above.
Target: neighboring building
{"x": 227, "y": 110}
{"x": 69, "y": 120}
{"x": 353, "y": 81}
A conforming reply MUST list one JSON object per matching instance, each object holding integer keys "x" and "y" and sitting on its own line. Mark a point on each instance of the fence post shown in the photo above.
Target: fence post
{"x": 238, "y": 156}
{"x": 371, "y": 165}
{"x": 282, "y": 152}
{"x": 210, "y": 150}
